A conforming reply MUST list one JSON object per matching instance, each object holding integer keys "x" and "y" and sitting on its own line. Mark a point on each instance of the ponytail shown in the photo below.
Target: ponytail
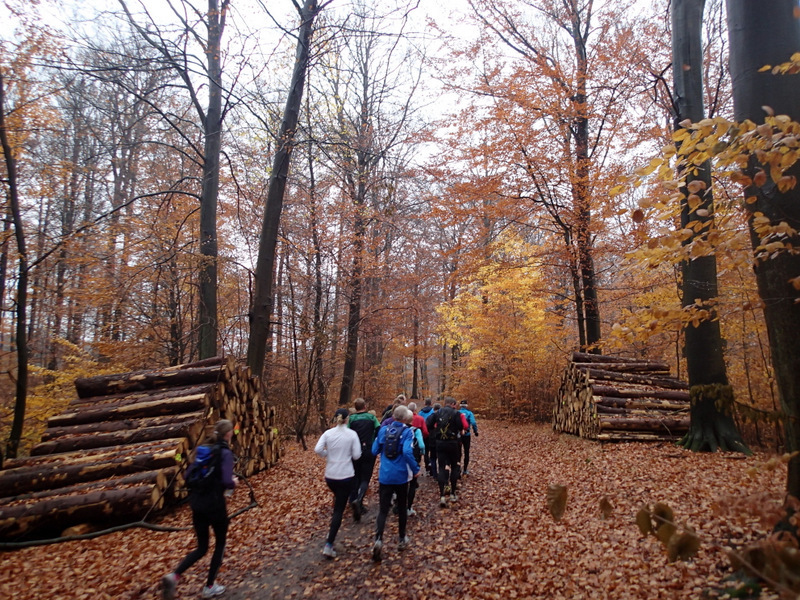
{"x": 221, "y": 429}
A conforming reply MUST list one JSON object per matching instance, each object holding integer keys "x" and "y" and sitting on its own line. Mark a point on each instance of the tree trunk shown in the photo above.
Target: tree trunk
{"x": 188, "y": 429}
{"x": 761, "y": 34}
{"x": 262, "y": 295}
{"x": 580, "y": 185}
{"x": 142, "y": 408}
{"x": 212, "y": 127}
{"x": 712, "y": 424}
{"x": 354, "y": 309}
{"x": 24, "y": 519}
{"x": 145, "y": 380}
{"x": 39, "y": 477}
{"x": 15, "y": 435}
{"x": 125, "y": 425}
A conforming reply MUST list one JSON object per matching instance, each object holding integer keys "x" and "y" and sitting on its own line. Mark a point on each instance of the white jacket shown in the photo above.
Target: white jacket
{"x": 340, "y": 446}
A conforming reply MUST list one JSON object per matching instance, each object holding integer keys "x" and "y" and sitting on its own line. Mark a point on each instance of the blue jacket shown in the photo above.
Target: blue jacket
{"x": 395, "y": 471}
{"x": 471, "y": 422}
{"x": 425, "y": 412}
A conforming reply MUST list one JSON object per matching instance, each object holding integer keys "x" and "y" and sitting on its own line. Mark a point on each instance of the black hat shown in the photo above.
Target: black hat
{"x": 463, "y": 403}
{"x": 342, "y": 412}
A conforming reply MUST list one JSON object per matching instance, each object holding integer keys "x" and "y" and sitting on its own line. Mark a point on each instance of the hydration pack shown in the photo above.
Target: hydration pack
{"x": 393, "y": 444}
{"x": 205, "y": 472}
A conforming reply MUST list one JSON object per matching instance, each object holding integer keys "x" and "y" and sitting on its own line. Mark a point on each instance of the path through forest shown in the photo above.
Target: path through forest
{"x": 497, "y": 541}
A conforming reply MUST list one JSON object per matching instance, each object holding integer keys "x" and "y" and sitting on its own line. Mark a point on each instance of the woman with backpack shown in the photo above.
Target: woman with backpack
{"x": 394, "y": 445}
{"x": 209, "y": 509}
{"x": 339, "y": 446}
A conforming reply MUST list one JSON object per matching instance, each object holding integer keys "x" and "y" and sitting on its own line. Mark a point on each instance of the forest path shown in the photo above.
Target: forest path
{"x": 497, "y": 541}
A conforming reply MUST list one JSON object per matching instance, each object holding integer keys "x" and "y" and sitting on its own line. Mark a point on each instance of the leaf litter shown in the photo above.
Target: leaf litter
{"x": 499, "y": 540}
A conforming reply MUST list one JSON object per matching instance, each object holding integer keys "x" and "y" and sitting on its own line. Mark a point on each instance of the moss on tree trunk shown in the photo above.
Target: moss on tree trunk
{"x": 712, "y": 426}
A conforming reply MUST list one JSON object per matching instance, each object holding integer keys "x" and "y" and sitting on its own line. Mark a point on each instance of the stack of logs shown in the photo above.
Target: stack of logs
{"x": 121, "y": 448}
{"x": 610, "y": 398}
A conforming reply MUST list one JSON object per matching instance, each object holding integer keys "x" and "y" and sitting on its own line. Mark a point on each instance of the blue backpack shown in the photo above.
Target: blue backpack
{"x": 393, "y": 444}
{"x": 205, "y": 472}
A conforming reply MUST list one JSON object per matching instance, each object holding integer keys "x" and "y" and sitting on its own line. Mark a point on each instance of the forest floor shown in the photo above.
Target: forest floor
{"x": 498, "y": 541}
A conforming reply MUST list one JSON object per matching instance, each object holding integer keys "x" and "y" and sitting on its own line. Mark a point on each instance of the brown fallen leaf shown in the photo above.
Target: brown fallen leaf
{"x": 557, "y": 500}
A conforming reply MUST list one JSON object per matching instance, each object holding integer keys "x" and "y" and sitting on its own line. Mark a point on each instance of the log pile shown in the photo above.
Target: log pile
{"x": 120, "y": 449}
{"x": 610, "y": 398}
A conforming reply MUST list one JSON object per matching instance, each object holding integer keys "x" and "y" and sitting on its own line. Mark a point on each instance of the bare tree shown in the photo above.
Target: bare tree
{"x": 175, "y": 56}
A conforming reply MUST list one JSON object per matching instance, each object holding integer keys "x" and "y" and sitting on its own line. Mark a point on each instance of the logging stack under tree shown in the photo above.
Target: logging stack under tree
{"x": 121, "y": 448}
{"x": 611, "y": 398}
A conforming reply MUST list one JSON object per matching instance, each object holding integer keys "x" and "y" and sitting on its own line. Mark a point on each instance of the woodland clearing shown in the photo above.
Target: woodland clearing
{"x": 498, "y": 541}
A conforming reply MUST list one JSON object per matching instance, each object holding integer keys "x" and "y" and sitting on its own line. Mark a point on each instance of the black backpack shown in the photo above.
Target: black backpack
{"x": 205, "y": 473}
{"x": 393, "y": 443}
{"x": 448, "y": 424}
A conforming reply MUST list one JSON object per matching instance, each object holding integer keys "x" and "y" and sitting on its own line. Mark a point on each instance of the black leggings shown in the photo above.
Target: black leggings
{"x": 465, "y": 443}
{"x": 449, "y": 455}
{"x": 412, "y": 491}
{"x": 202, "y": 521}
{"x": 341, "y": 489}
{"x": 385, "y": 493}
{"x": 363, "y": 468}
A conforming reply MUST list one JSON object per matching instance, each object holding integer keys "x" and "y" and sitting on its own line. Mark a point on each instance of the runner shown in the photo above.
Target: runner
{"x": 394, "y": 446}
{"x": 448, "y": 426}
{"x": 430, "y": 445}
{"x": 339, "y": 446}
{"x": 418, "y": 447}
{"x": 209, "y": 510}
{"x": 366, "y": 425}
{"x": 465, "y": 437}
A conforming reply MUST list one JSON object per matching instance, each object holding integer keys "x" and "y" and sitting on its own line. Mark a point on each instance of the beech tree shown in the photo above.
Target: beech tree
{"x": 371, "y": 94}
{"x": 9, "y": 156}
{"x": 262, "y": 303}
{"x": 712, "y": 425}
{"x": 763, "y": 34}
{"x": 174, "y": 57}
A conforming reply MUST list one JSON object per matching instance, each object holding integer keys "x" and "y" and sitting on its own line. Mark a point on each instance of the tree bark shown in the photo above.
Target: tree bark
{"x": 212, "y": 128}
{"x": 761, "y": 34}
{"x": 106, "y": 505}
{"x": 712, "y": 424}
{"x": 146, "y": 380}
{"x": 188, "y": 429}
{"x": 44, "y": 476}
{"x": 262, "y": 295}
{"x": 15, "y": 434}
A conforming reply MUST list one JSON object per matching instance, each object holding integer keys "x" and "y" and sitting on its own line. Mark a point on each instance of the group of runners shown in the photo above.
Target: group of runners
{"x": 405, "y": 439}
